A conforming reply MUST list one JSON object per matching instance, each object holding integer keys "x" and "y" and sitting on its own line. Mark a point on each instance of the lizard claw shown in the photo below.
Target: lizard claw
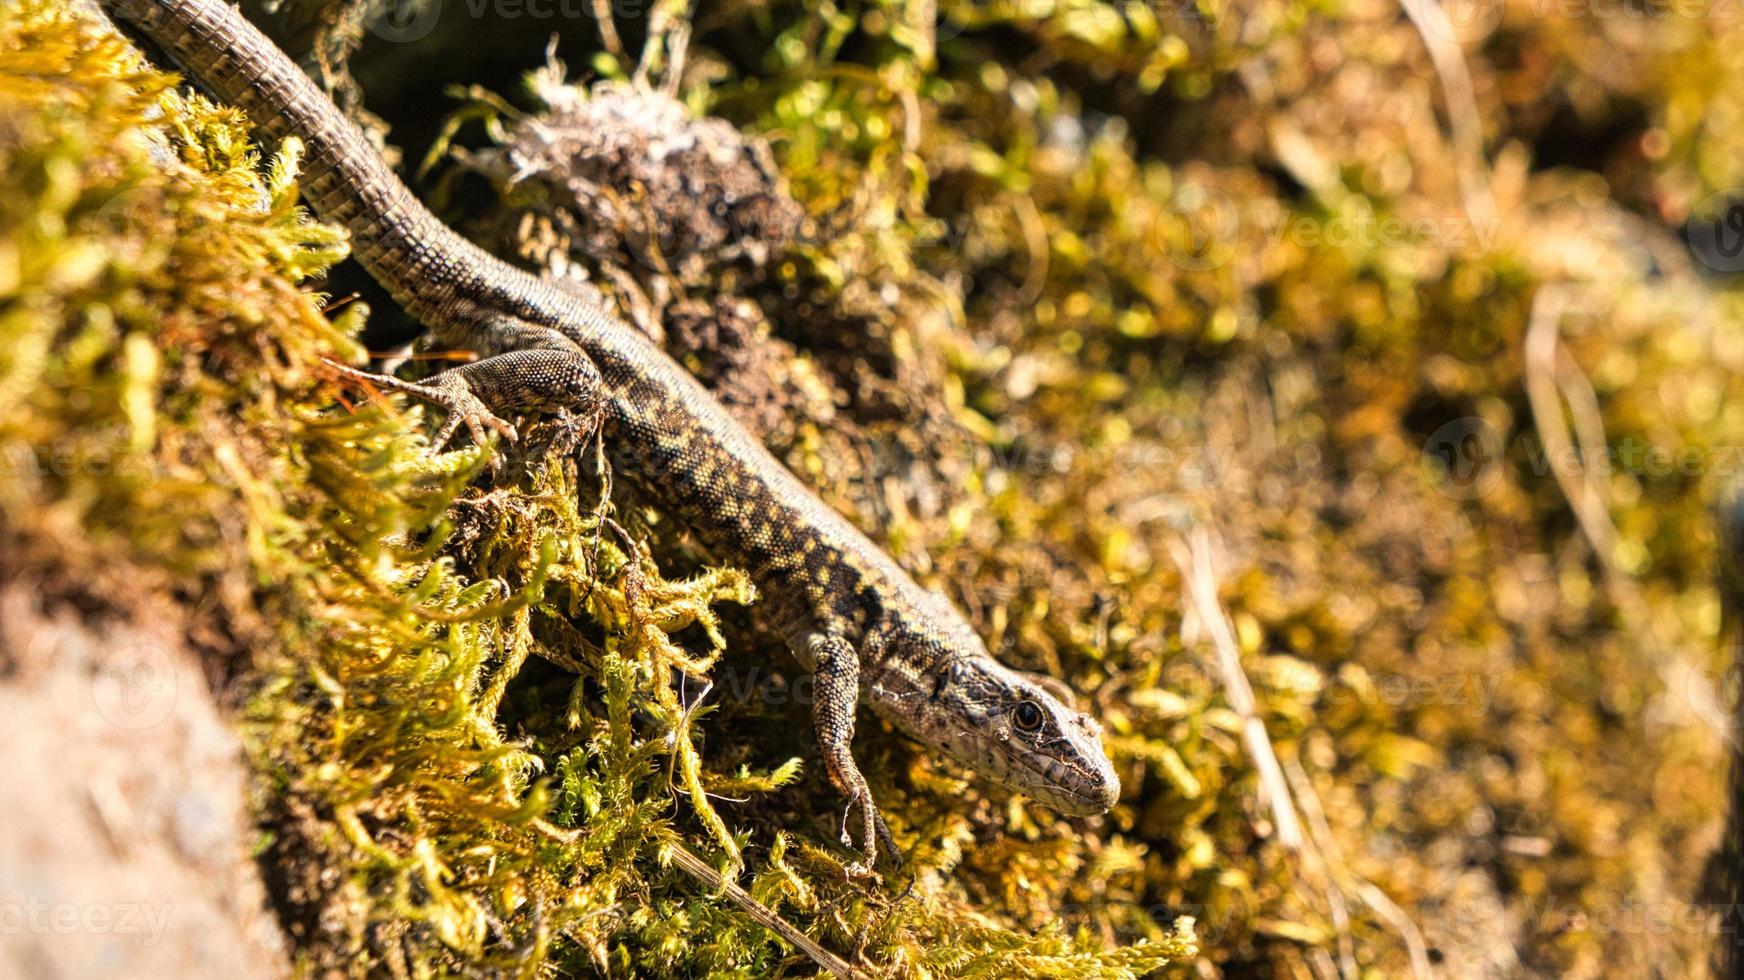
{"x": 464, "y": 408}
{"x": 877, "y": 834}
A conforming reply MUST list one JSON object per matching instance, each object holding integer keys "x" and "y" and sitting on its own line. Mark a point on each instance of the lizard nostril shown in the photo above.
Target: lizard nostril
{"x": 1109, "y": 794}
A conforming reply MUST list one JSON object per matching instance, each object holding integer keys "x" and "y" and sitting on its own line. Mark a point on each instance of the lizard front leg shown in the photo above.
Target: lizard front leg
{"x": 836, "y": 685}
{"x": 538, "y": 368}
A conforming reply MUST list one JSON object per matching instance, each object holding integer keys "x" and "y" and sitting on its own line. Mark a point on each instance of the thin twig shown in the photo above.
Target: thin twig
{"x": 1462, "y": 108}
{"x": 1194, "y": 560}
{"x": 608, "y": 30}
{"x": 1560, "y": 449}
{"x": 695, "y": 867}
{"x": 1320, "y": 832}
{"x": 1554, "y": 380}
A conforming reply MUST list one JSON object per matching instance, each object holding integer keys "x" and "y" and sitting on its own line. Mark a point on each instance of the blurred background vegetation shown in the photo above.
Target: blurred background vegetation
{"x": 1333, "y": 393}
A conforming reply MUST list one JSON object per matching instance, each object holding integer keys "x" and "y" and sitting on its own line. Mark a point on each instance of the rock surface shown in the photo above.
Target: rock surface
{"x": 125, "y": 849}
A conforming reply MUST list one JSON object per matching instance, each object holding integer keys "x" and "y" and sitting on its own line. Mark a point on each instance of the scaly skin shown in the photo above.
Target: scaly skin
{"x": 850, "y": 613}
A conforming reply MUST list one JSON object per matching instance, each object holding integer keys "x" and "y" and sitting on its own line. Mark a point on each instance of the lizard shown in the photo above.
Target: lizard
{"x": 864, "y": 628}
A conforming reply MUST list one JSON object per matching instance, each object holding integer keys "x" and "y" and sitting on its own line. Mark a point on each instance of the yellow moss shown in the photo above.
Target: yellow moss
{"x": 1084, "y": 338}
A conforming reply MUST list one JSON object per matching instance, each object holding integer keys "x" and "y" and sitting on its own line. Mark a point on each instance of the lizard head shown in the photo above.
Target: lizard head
{"x": 1014, "y": 729}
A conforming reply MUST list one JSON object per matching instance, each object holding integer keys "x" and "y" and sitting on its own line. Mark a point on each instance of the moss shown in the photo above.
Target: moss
{"x": 1034, "y": 338}
{"x": 390, "y": 621}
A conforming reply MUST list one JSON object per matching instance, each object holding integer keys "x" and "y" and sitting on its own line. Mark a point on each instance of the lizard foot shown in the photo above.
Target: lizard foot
{"x": 565, "y": 433}
{"x": 449, "y": 392}
{"x": 878, "y": 836}
{"x": 571, "y": 430}
{"x": 463, "y": 408}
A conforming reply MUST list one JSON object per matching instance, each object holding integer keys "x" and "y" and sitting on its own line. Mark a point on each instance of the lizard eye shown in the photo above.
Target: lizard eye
{"x": 1027, "y": 716}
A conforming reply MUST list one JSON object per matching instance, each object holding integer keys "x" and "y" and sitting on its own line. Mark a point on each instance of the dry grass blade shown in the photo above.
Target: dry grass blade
{"x": 1395, "y": 916}
{"x": 1437, "y": 31}
{"x": 1331, "y": 860}
{"x": 1193, "y": 557}
{"x": 697, "y": 868}
{"x": 1583, "y": 495}
{"x": 694, "y": 866}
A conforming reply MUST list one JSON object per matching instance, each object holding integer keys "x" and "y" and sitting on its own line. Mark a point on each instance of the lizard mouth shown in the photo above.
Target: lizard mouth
{"x": 1087, "y": 802}
{"x": 1087, "y": 789}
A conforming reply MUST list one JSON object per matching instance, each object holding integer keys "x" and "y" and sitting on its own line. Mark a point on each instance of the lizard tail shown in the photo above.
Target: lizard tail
{"x": 393, "y": 235}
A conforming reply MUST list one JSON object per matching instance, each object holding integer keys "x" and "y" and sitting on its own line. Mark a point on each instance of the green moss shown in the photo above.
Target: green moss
{"x": 1038, "y": 337}
{"x": 155, "y": 313}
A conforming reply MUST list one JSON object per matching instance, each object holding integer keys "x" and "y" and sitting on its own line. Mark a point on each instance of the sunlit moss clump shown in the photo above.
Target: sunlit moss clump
{"x": 427, "y": 800}
{"x": 1102, "y": 315}
{"x": 1179, "y": 346}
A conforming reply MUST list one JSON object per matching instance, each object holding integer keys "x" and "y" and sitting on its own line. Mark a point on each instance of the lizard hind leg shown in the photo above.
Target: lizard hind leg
{"x": 836, "y": 685}
{"x": 536, "y": 369}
